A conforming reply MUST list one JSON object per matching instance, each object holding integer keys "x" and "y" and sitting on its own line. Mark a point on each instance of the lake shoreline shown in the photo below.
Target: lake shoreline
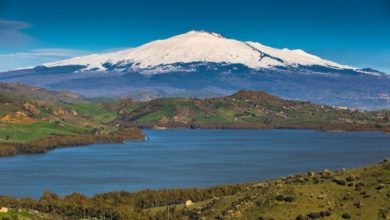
{"x": 256, "y": 126}
{"x": 64, "y": 141}
{"x": 49, "y": 143}
{"x": 365, "y": 180}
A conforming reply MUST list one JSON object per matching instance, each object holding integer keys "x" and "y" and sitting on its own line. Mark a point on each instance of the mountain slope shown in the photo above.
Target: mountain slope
{"x": 202, "y": 64}
{"x": 198, "y": 46}
{"x": 38, "y": 94}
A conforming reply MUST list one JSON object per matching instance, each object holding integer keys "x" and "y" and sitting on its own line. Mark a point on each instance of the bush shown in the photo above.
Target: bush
{"x": 289, "y": 199}
{"x": 48, "y": 143}
{"x": 346, "y": 215}
{"x": 280, "y": 198}
{"x": 340, "y": 182}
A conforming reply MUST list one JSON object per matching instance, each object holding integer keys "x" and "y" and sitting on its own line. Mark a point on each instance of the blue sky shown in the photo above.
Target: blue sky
{"x": 352, "y": 32}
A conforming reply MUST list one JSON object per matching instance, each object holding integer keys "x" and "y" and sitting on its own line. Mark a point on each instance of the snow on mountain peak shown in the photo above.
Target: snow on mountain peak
{"x": 194, "y": 33}
{"x": 199, "y": 46}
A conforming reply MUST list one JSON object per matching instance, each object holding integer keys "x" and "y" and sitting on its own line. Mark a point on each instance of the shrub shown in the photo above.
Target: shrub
{"x": 346, "y": 215}
{"x": 289, "y": 199}
{"x": 340, "y": 182}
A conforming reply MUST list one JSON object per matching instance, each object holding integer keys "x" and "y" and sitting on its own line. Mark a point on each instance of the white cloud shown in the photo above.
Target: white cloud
{"x": 12, "y": 24}
{"x": 36, "y": 57}
{"x": 11, "y": 33}
{"x": 46, "y": 52}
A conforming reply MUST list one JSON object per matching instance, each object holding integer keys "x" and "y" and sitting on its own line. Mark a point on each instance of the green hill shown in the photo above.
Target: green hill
{"x": 248, "y": 109}
{"x": 34, "y": 120}
{"x": 31, "y": 117}
{"x": 362, "y": 193}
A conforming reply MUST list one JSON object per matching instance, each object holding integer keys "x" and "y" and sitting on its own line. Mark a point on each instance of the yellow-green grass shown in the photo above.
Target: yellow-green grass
{"x": 365, "y": 195}
{"x": 21, "y": 133}
{"x": 15, "y": 215}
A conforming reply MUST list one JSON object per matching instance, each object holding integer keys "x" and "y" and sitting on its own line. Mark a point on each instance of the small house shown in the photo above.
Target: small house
{"x": 188, "y": 203}
{"x": 4, "y": 210}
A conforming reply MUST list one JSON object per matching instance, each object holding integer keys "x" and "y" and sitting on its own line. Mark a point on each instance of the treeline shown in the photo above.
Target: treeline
{"x": 48, "y": 143}
{"x": 117, "y": 205}
{"x": 354, "y": 127}
{"x": 258, "y": 125}
{"x": 202, "y": 125}
{"x": 248, "y": 110}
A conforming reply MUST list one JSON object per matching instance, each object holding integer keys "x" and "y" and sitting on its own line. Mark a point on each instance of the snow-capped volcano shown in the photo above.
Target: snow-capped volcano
{"x": 198, "y": 46}
{"x": 203, "y": 64}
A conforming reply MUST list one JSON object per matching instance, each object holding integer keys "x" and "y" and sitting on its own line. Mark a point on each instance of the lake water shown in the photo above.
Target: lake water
{"x": 188, "y": 158}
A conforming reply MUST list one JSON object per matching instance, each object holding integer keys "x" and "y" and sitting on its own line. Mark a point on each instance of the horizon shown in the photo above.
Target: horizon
{"x": 28, "y": 38}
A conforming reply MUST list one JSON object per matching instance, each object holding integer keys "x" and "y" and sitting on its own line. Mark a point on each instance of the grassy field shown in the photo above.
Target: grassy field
{"x": 22, "y": 215}
{"x": 23, "y": 120}
{"x": 34, "y": 120}
{"x": 12, "y": 133}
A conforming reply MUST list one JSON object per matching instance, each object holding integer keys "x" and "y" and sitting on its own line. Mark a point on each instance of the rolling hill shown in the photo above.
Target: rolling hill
{"x": 248, "y": 109}
{"x": 34, "y": 120}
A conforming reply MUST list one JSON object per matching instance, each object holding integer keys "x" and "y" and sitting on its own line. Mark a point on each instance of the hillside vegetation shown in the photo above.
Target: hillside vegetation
{"x": 34, "y": 120}
{"x": 361, "y": 193}
{"x": 249, "y": 109}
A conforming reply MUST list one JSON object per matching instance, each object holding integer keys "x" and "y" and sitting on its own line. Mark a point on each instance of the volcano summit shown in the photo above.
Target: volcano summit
{"x": 205, "y": 64}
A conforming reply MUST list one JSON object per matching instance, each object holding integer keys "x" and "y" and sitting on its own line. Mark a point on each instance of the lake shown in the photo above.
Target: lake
{"x": 188, "y": 158}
